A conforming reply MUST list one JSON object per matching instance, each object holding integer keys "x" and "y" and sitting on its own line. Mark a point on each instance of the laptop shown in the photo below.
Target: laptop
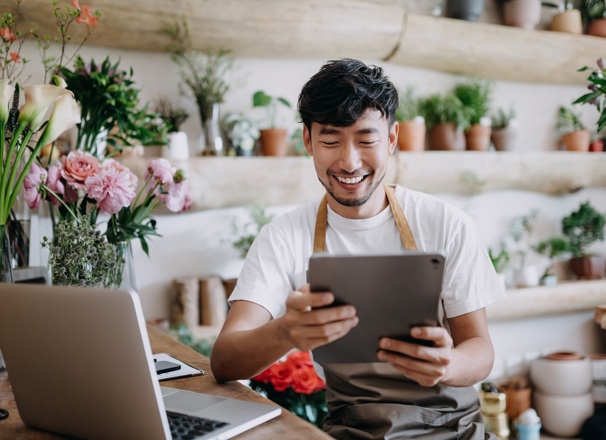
{"x": 80, "y": 364}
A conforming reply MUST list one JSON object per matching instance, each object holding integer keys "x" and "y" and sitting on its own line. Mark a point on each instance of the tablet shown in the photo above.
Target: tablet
{"x": 391, "y": 294}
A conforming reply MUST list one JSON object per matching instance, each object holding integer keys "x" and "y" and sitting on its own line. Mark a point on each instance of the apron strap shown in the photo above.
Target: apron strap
{"x": 398, "y": 214}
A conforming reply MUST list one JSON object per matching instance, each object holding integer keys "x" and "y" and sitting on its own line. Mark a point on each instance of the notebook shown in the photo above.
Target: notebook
{"x": 80, "y": 364}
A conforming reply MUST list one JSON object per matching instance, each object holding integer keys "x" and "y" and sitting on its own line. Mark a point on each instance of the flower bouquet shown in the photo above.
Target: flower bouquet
{"x": 294, "y": 385}
{"x": 79, "y": 188}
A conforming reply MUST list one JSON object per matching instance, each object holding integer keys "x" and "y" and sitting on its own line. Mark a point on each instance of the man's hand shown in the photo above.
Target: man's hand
{"x": 307, "y": 326}
{"x": 426, "y": 365}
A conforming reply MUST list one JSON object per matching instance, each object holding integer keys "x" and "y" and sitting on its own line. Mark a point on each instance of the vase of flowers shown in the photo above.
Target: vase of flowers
{"x": 81, "y": 187}
{"x": 294, "y": 384}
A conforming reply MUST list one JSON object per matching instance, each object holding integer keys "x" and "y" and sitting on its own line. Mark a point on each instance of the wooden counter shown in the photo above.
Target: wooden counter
{"x": 287, "y": 425}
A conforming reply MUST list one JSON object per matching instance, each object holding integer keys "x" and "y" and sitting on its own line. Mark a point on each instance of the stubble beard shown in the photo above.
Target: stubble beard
{"x": 351, "y": 202}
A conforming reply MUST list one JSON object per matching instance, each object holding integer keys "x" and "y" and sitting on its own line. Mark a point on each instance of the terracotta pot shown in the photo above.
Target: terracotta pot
{"x": 477, "y": 138}
{"x": 597, "y": 28}
{"x": 589, "y": 267}
{"x": 518, "y": 401}
{"x": 568, "y": 21}
{"x": 411, "y": 136}
{"x": 525, "y": 14}
{"x": 274, "y": 142}
{"x": 446, "y": 137}
{"x": 576, "y": 140}
{"x": 503, "y": 139}
{"x": 596, "y": 146}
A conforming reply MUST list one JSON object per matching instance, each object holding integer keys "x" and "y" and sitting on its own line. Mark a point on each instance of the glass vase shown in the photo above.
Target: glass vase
{"x": 124, "y": 277}
{"x": 6, "y": 270}
{"x": 213, "y": 141}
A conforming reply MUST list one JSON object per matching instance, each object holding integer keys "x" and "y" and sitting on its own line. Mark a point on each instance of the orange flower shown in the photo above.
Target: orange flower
{"x": 15, "y": 57}
{"x": 87, "y": 17}
{"x": 7, "y": 35}
{"x": 76, "y": 4}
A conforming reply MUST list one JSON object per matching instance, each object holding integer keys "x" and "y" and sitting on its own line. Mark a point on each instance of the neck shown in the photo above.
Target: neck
{"x": 374, "y": 205}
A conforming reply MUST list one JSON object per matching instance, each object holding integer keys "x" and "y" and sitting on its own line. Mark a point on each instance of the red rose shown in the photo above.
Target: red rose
{"x": 299, "y": 359}
{"x": 282, "y": 376}
{"x": 304, "y": 381}
{"x": 264, "y": 376}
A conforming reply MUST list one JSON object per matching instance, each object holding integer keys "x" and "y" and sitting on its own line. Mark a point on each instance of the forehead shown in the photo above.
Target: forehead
{"x": 371, "y": 121}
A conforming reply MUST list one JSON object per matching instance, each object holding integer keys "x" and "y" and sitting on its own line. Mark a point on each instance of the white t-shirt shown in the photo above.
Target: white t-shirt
{"x": 279, "y": 257}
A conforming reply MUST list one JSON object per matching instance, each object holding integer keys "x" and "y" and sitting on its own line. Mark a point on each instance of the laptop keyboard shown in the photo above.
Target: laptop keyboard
{"x": 185, "y": 427}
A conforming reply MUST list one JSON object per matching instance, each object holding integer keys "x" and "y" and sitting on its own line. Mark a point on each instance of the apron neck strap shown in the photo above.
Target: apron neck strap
{"x": 398, "y": 214}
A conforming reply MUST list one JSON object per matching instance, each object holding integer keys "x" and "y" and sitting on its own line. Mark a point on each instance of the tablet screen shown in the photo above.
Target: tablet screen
{"x": 391, "y": 294}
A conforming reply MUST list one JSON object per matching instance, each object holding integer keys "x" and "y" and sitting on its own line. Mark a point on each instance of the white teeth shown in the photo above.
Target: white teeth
{"x": 350, "y": 180}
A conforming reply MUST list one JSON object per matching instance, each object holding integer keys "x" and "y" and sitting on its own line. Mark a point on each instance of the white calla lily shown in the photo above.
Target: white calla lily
{"x": 6, "y": 95}
{"x": 65, "y": 115}
{"x": 38, "y": 100}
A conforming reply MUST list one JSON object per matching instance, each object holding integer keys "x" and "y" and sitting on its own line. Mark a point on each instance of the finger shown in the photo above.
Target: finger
{"x": 434, "y": 355}
{"x": 321, "y": 335}
{"x": 438, "y": 335}
{"x": 306, "y": 301}
{"x": 328, "y": 315}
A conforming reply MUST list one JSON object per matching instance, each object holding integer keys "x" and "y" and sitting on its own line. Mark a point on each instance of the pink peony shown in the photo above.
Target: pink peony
{"x": 112, "y": 189}
{"x": 112, "y": 163}
{"x": 161, "y": 172}
{"x": 79, "y": 166}
{"x": 32, "y": 185}
{"x": 54, "y": 183}
{"x": 177, "y": 197}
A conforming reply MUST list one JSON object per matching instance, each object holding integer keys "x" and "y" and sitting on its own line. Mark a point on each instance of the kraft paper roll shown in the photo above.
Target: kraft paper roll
{"x": 213, "y": 304}
{"x": 184, "y": 306}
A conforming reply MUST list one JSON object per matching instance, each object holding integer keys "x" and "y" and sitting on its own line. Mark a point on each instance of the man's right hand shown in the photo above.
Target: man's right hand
{"x": 308, "y": 324}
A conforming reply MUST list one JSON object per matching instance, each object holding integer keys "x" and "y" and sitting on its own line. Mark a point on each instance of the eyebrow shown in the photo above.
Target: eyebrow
{"x": 332, "y": 130}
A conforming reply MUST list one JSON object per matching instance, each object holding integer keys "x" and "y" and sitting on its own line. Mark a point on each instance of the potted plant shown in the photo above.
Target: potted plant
{"x": 568, "y": 19}
{"x": 525, "y": 275}
{"x": 500, "y": 260}
{"x": 242, "y": 133}
{"x": 582, "y": 228}
{"x": 525, "y": 14}
{"x": 552, "y": 248}
{"x": 504, "y": 129}
{"x": 274, "y": 140}
{"x": 446, "y": 119}
{"x": 175, "y": 116}
{"x": 597, "y": 91}
{"x": 411, "y": 136}
{"x": 594, "y": 14}
{"x": 574, "y": 134}
{"x": 476, "y": 98}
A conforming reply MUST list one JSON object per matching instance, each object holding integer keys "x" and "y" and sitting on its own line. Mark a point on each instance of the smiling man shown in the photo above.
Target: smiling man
{"x": 348, "y": 112}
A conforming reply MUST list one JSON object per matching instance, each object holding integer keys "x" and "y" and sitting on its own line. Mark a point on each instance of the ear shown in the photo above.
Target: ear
{"x": 307, "y": 141}
{"x": 393, "y": 137}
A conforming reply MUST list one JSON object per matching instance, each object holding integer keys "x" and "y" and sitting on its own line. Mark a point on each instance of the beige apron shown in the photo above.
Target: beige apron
{"x": 375, "y": 401}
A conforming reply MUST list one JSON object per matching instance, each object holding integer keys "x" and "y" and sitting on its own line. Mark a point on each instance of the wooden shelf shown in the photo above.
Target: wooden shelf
{"x": 366, "y": 29}
{"x": 220, "y": 182}
{"x": 566, "y": 297}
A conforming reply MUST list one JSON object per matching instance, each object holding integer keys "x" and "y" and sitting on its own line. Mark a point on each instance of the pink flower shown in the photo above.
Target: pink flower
{"x": 112, "y": 189}
{"x": 177, "y": 198}
{"x": 76, "y": 4}
{"x": 54, "y": 183}
{"x": 33, "y": 185}
{"x": 7, "y": 35}
{"x": 87, "y": 17}
{"x": 78, "y": 166}
{"x": 161, "y": 172}
{"x": 112, "y": 163}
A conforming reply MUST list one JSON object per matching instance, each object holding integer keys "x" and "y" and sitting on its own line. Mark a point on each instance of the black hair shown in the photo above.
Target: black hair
{"x": 341, "y": 92}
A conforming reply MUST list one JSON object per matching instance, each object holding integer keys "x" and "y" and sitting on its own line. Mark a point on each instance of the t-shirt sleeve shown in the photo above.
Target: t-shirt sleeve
{"x": 263, "y": 279}
{"x": 470, "y": 281}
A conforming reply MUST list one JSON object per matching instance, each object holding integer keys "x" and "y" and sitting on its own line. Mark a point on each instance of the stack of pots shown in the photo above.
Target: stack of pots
{"x": 563, "y": 395}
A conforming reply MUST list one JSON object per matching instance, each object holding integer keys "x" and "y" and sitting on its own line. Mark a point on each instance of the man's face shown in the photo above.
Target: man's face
{"x": 351, "y": 161}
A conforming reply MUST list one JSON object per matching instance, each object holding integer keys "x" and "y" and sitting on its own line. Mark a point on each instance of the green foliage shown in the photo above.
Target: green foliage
{"x": 185, "y": 336}
{"x": 593, "y": 9}
{"x": 568, "y": 121}
{"x": 502, "y": 118}
{"x": 552, "y": 248}
{"x": 246, "y": 234}
{"x": 80, "y": 256}
{"x": 476, "y": 98}
{"x": 443, "y": 109}
{"x": 499, "y": 258}
{"x": 409, "y": 107}
{"x": 262, "y": 99}
{"x": 582, "y": 228}
{"x": 173, "y": 115}
{"x": 597, "y": 91}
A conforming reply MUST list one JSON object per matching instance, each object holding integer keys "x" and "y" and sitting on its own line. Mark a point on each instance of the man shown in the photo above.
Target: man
{"x": 348, "y": 112}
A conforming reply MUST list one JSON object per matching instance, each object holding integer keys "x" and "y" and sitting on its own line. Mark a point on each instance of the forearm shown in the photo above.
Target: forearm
{"x": 471, "y": 362}
{"x": 241, "y": 354}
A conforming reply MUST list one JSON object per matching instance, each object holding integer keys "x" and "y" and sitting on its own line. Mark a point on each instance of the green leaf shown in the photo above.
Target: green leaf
{"x": 261, "y": 99}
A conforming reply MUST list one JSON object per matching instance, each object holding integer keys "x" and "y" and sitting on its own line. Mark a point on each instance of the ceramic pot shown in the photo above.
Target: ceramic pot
{"x": 576, "y": 140}
{"x": 274, "y": 142}
{"x": 477, "y": 138}
{"x": 525, "y": 14}
{"x": 411, "y": 136}
{"x": 469, "y": 10}
{"x": 596, "y": 146}
{"x": 527, "y": 276}
{"x": 563, "y": 416}
{"x": 518, "y": 401}
{"x": 503, "y": 139}
{"x": 569, "y": 21}
{"x": 562, "y": 374}
{"x": 178, "y": 147}
{"x": 589, "y": 267}
{"x": 446, "y": 137}
{"x": 597, "y": 28}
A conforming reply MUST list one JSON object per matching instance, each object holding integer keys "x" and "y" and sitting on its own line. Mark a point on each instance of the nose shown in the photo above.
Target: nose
{"x": 350, "y": 158}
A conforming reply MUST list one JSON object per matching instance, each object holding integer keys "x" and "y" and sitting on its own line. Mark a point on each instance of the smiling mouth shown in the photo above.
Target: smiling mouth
{"x": 350, "y": 180}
